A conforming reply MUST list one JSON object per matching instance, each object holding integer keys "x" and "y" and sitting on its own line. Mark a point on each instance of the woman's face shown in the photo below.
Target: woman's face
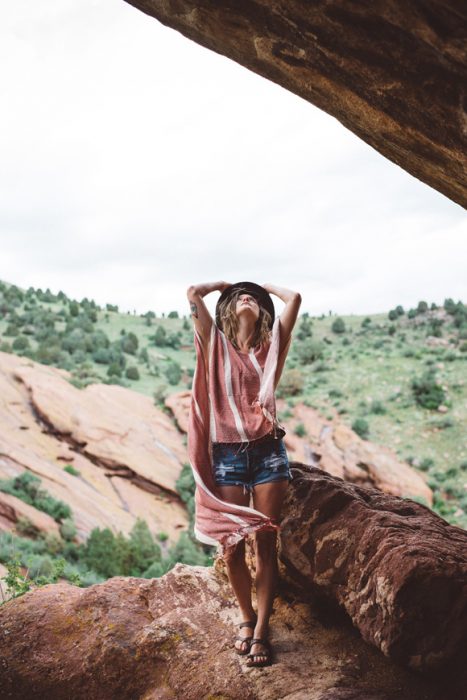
{"x": 247, "y": 305}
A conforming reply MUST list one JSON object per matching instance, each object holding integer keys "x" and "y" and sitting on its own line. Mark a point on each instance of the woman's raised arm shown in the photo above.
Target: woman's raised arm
{"x": 201, "y": 316}
{"x": 289, "y": 314}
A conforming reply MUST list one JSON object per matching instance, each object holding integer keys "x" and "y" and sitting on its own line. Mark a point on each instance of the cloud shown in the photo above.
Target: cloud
{"x": 135, "y": 162}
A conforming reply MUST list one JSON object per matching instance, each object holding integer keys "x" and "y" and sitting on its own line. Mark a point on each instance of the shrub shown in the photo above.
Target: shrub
{"x": 102, "y": 356}
{"x": 173, "y": 372}
{"x": 160, "y": 336}
{"x": 102, "y": 553}
{"x": 377, "y": 407}
{"x": 426, "y": 463}
{"x": 68, "y": 529}
{"x": 427, "y": 392}
{"x": 114, "y": 370}
{"x": 309, "y": 350}
{"x": 129, "y": 343}
{"x": 160, "y": 395}
{"x": 132, "y": 373}
{"x": 74, "y": 308}
{"x": 71, "y": 470}
{"x": 27, "y": 487}
{"x": 173, "y": 341}
{"x": 26, "y": 528}
{"x": 291, "y": 383}
{"x": 338, "y": 325}
{"x": 361, "y": 427}
{"x": 143, "y": 548}
{"x": 422, "y": 307}
{"x": 300, "y": 430}
{"x": 21, "y": 343}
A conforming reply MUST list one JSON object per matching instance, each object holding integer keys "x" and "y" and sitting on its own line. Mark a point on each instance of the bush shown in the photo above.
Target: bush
{"x": 309, "y": 350}
{"x": 27, "y": 487}
{"x": 68, "y": 529}
{"x": 426, "y": 463}
{"x": 26, "y": 528}
{"x": 300, "y": 430}
{"x": 132, "y": 373}
{"x": 377, "y": 407}
{"x": 291, "y": 383}
{"x": 338, "y": 325}
{"x": 71, "y": 470}
{"x": 160, "y": 336}
{"x": 21, "y": 343}
{"x": 102, "y": 356}
{"x": 361, "y": 427}
{"x": 427, "y": 392}
{"x": 129, "y": 343}
{"x": 173, "y": 372}
{"x": 114, "y": 370}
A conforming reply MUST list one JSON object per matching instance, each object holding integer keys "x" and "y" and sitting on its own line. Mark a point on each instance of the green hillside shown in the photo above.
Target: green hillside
{"x": 398, "y": 379}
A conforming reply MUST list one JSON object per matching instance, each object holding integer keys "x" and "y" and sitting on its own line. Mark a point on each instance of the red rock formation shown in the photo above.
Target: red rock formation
{"x": 397, "y": 568}
{"x": 138, "y": 639}
{"x": 392, "y": 72}
{"x": 128, "y": 452}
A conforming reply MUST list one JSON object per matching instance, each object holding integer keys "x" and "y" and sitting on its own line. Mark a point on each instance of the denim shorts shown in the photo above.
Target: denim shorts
{"x": 247, "y": 464}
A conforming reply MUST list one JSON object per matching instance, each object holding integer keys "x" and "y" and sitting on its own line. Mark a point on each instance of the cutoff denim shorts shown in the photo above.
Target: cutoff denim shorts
{"x": 247, "y": 464}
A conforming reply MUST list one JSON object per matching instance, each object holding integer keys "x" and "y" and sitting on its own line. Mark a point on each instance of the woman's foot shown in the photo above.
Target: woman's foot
{"x": 242, "y": 642}
{"x": 260, "y": 652}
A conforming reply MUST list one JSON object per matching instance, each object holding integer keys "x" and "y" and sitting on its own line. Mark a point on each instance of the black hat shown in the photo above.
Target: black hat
{"x": 256, "y": 291}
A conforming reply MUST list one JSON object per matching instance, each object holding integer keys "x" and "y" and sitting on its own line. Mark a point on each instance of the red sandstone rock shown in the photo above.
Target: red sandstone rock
{"x": 128, "y": 452}
{"x": 171, "y": 638}
{"x": 13, "y": 508}
{"x": 393, "y": 72}
{"x": 397, "y": 568}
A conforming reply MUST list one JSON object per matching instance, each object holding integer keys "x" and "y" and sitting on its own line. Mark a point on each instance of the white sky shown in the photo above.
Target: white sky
{"x": 135, "y": 163}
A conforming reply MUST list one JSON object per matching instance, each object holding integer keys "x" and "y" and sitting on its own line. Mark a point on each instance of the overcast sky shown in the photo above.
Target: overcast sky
{"x": 135, "y": 162}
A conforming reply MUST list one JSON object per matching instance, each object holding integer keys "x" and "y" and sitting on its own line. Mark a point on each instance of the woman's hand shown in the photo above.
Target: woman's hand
{"x": 285, "y": 295}
{"x": 207, "y": 288}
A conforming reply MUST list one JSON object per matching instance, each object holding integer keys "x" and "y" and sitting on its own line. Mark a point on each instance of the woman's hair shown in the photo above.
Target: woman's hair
{"x": 229, "y": 320}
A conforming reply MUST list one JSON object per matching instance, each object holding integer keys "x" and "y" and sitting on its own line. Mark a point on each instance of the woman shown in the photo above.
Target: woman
{"x": 240, "y": 360}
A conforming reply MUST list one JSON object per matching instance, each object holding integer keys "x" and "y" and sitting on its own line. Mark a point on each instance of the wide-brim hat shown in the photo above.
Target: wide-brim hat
{"x": 256, "y": 291}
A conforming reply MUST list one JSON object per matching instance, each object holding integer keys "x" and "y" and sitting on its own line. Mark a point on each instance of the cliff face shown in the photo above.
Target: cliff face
{"x": 392, "y": 72}
{"x": 172, "y": 637}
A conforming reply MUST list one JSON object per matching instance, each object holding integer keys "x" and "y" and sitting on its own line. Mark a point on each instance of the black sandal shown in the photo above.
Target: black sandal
{"x": 266, "y": 653}
{"x": 248, "y": 623}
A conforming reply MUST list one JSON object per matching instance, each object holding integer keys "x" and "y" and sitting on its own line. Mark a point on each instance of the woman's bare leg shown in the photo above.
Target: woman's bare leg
{"x": 268, "y": 499}
{"x": 237, "y": 568}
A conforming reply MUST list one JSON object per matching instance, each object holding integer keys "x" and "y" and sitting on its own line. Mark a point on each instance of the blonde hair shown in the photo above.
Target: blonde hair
{"x": 229, "y": 320}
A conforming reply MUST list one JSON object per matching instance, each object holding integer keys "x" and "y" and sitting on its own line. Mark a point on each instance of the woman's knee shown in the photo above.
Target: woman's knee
{"x": 266, "y": 546}
{"x": 235, "y": 554}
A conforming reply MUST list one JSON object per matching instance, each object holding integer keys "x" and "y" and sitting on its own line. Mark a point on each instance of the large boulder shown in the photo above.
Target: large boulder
{"x": 172, "y": 637}
{"x": 396, "y": 568}
{"x": 393, "y": 72}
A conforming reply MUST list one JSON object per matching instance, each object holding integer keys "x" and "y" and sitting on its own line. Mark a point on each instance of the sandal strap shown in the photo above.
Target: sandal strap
{"x": 248, "y": 623}
{"x": 258, "y": 640}
{"x": 244, "y": 639}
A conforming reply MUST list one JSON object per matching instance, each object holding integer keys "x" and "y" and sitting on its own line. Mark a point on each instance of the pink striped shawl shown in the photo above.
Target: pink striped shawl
{"x": 232, "y": 401}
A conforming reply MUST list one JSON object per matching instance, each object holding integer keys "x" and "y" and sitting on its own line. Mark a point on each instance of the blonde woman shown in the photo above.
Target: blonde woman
{"x": 243, "y": 353}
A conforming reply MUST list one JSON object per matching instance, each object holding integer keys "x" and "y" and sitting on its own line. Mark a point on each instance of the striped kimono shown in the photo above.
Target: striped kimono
{"x": 232, "y": 401}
